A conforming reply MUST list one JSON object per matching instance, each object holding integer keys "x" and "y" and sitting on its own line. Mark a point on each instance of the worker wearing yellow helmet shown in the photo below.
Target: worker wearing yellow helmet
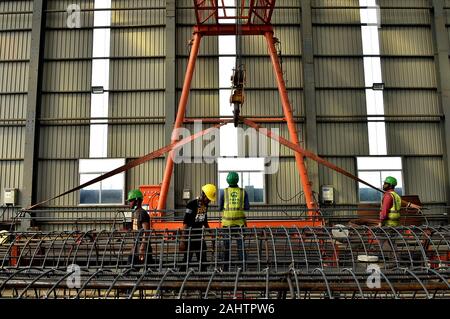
{"x": 196, "y": 218}
{"x": 390, "y": 205}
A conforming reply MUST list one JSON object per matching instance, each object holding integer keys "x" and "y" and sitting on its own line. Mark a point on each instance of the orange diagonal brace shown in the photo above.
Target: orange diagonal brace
{"x": 306, "y": 184}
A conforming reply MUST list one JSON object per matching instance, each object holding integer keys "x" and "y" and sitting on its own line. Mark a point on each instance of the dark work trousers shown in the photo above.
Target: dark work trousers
{"x": 198, "y": 247}
{"x": 233, "y": 232}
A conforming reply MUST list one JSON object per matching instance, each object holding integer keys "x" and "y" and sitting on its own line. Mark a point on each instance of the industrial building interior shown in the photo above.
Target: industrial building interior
{"x": 313, "y": 103}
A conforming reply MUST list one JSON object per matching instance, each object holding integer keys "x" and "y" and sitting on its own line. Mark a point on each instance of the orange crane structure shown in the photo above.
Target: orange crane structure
{"x": 254, "y": 18}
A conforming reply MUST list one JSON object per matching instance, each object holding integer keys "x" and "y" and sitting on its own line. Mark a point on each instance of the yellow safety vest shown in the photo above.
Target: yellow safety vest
{"x": 233, "y": 207}
{"x": 394, "y": 212}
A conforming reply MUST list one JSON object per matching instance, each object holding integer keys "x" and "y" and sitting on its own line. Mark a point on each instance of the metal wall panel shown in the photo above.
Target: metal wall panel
{"x": 15, "y": 21}
{"x": 290, "y": 14}
{"x": 284, "y": 187}
{"x": 267, "y": 103}
{"x": 137, "y": 74}
{"x": 12, "y": 142}
{"x": 284, "y": 132}
{"x": 134, "y": 140}
{"x": 141, "y": 42}
{"x": 136, "y": 104}
{"x": 59, "y": 19}
{"x": 204, "y": 103}
{"x": 206, "y": 74}
{"x": 335, "y": 3}
{"x": 66, "y": 76}
{"x": 337, "y": 40}
{"x": 13, "y": 77}
{"x": 404, "y": 102}
{"x": 185, "y": 13}
{"x": 208, "y": 45}
{"x": 414, "y": 138}
{"x": 15, "y": 45}
{"x": 338, "y": 16}
{"x": 404, "y": 3}
{"x": 406, "y": 16}
{"x": 193, "y": 176}
{"x": 260, "y": 73}
{"x": 339, "y": 72}
{"x": 345, "y": 189}
{"x": 409, "y": 72}
{"x": 406, "y": 40}
{"x": 343, "y": 139}
{"x": 138, "y": 17}
{"x": 68, "y": 44}
{"x": 290, "y": 38}
{"x": 340, "y": 103}
{"x": 11, "y": 176}
{"x": 64, "y": 141}
{"x": 13, "y": 106}
{"x": 149, "y": 173}
{"x": 425, "y": 176}
{"x": 56, "y": 177}
{"x": 66, "y": 106}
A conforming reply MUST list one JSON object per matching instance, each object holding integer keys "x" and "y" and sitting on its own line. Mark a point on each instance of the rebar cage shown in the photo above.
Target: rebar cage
{"x": 323, "y": 262}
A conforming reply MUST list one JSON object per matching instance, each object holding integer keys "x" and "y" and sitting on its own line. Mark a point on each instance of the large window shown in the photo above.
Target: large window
{"x": 251, "y": 176}
{"x": 374, "y": 170}
{"x": 109, "y": 191}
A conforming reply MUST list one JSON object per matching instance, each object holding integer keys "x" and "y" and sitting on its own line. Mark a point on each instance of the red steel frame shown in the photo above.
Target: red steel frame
{"x": 256, "y": 16}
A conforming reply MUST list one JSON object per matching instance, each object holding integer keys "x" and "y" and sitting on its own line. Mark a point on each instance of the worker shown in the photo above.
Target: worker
{"x": 195, "y": 219}
{"x": 233, "y": 203}
{"x": 140, "y": 221}
{"x": 391, "y": 204}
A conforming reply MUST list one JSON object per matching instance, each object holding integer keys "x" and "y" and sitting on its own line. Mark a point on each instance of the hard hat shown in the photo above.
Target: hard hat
{"x": 135, "y": 194}
{"x": 232, "y": 178}
{"x": 3, "y": 237}
{"x": 391, "y": 180}
{"x": 210, "y": 191}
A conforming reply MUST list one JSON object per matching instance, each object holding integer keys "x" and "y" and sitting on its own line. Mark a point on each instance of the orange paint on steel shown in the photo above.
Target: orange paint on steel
{"x": 306, "y": 184}
{"x": 180, "y": 119}
{"x": 163, "y": 225}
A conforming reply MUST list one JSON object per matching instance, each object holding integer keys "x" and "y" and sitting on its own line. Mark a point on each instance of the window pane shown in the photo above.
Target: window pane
{"x": 379, "y": 163}
{"x": 90, "y": 194}
{"x": 253, "y": 184}
{"x": 398, "y": 176}
{"x": 367, "y": 194}
{"x": 112, "y": 190}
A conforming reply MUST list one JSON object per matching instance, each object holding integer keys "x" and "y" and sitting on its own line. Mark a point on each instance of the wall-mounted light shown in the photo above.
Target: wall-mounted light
{"x": 97, "y": 90}
{"x": 378, "y": 86}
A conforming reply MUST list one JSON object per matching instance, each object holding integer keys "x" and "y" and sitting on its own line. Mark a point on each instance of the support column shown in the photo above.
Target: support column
{"x": 309, "y": 91}
{"x": 442, "y": 50}
{"x": 180, "y": 118}
{"x": 287, "y": 109}
{"x": 33, "y": 106}
{"x": 170, "y": 95}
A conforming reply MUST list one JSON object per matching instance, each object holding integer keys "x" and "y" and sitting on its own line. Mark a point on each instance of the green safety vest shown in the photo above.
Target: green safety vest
{"x": 233, "y": 207}
{"x": 394, "y": 212}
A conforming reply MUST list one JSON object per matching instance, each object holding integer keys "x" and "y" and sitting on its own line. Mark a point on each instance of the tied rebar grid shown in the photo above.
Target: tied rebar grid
{"x": 412, "y": 262}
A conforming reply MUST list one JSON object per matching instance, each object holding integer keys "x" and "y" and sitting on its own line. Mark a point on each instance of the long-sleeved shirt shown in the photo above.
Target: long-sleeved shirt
{"x": 222, "y": 200}
{"x": 386, "y": 205}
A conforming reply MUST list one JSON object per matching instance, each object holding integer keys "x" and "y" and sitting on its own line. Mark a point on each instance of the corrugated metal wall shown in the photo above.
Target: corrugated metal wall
{"x": 137, "y": 91}
{"x": 65, "y": 109}
{"x": 15, "y": 42}
{"x": 339, "y": 76}
{"x": 409, "y": 73}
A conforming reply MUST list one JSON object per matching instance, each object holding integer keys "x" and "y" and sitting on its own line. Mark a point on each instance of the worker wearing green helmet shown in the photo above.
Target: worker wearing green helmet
{"x": 391, "y": 204}
{"x": 233, "y": 203}
{"x": 140, "y": 221}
